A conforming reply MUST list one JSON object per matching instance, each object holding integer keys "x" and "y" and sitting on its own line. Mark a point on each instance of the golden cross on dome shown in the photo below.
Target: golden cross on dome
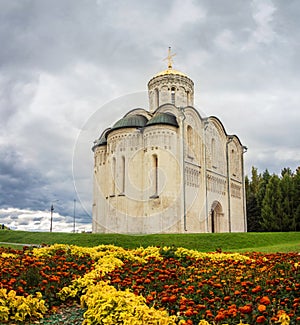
{"x": 170, "y": 58}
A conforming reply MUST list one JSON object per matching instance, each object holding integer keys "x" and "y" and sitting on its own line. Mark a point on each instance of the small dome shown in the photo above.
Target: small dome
{"x": 163, "y": 118}
{"x": 170, "y": 71}
{"x": 102, "y": 141}
{"x": 131, "y": 121}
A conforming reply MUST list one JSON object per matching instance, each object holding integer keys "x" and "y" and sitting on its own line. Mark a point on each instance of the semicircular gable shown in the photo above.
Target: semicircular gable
{"x": 218, "y": 125}
{"x": 139, "y": 111}
{"x": 236, "y": 140}
{"x": 193, "y": 117}
{"x": 168, "y": 108}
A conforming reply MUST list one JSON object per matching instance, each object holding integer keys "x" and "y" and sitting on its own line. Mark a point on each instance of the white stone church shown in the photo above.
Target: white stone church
{"x": 168, "y": 169}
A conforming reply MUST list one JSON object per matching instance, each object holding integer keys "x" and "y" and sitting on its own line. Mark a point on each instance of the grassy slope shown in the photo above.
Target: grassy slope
{"x": 238, "y": 242}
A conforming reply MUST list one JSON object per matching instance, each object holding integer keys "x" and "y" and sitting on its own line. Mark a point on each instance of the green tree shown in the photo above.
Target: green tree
{"x": 273, "y": 202}
{"x": 287, "y": 203}
{"x": 253, "y": 211}
{"x": 261, "y": 191}
{"x": 296, "y": 201}
{"x": 271, "y": 209}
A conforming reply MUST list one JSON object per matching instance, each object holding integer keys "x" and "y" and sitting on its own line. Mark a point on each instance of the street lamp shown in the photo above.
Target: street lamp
{"x": 51, "y": 214}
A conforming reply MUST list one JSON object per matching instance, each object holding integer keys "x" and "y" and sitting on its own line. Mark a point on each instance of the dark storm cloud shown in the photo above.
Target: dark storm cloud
{"x": 20, "y": 185}
{"x": 54, "y": 35}
{"x": 37, "y": 219}
{"x": 45, "y": 34}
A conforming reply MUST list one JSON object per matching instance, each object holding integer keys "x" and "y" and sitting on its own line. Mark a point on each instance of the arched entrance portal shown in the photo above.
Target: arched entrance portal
{"x": 216, "y": 214}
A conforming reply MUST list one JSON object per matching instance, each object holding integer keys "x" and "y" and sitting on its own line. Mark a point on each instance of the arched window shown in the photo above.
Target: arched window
{"x": 173, "y": 95}
{"x": 156, "y": 97}
{"x": 155, "y": 176}
{"x": 123, "y": 173}
{"x": 113, "y": 177}
{"x": 190, "y": 141}
{"x": 213, "y": 152}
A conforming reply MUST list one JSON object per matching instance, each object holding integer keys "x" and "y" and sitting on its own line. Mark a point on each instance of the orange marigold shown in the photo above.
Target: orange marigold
{"x": 219, "y": 317}
{"x": 208, "y": 313}
{"x": 226, "y": 298}
{"x": 256, "y": 289}
{"x": 265, "y": 300}
{"x": 261, "y": 319}
{"x": 261, "y": 308}
{"x": 247, "y": 309}
{"x": 189, "y": 312}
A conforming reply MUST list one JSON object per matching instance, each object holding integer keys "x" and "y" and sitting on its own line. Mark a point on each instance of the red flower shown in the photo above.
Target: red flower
{"x": 256, "y": 289}
{"x": 201, "y": 307}
{"x": 165, "y": 299}
{"x": 189, "y": 312}
{"x": 265, "y": 300}
{"x": 172, "y": 298}
{"x": 261, "y": 319}
{"x": 149, "y": 298}
{"x": 219, "y": 317}
{"x": 208, "y": 313}
{"x": 247, "y": 309}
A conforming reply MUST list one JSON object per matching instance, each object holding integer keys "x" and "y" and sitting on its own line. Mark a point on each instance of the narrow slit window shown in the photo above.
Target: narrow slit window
{"x": 156, "y": 97}
{"x": 123, "y": 175}
{"x": 113, "y": 178}
{"x": 155, "y": 177}
{"x": 173, "y": 95}
{"x": 156, "y": 174}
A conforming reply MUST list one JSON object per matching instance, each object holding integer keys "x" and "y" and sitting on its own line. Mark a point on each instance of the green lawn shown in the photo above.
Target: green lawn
{"x": 233, "y": 242}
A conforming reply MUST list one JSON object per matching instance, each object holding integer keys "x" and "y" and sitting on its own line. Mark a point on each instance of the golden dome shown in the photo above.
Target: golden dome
{"x": 170, "y": 71}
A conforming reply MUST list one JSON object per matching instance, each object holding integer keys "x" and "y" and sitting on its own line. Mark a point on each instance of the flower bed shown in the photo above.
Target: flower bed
{"x": 150, "y": 285}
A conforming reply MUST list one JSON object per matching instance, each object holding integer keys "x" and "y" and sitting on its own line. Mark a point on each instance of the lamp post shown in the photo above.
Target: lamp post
{"x": 51, "y": 214}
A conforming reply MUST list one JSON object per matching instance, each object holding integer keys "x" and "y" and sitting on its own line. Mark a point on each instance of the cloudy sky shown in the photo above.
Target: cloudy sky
{"x": 70, "y": 68}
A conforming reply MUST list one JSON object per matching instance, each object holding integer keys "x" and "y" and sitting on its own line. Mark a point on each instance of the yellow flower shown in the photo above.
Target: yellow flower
{"x": 106, "y": 305}
{"x": 8, "y": 255}
{"x": 181, "y": 252}
{"x": 284, "y": 319}
{"x": 19, "y": 308}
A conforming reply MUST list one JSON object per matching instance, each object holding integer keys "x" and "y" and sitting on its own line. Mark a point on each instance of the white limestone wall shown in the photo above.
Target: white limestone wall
{"x": 163, "y": 179}
{"x": 170, "y": 88}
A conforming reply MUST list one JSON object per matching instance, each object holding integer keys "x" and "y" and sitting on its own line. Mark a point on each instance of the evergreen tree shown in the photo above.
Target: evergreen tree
{"x": 273, "y": 202}
{"x": 253, "y": 211}
{"x": 271, "y": 210}
{"x": 296, "y": 201}
{"x": 262, "y": 185}
{"x": 287, "y": 204}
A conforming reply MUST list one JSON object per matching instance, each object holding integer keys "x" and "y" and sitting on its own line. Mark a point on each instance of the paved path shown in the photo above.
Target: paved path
{"x": 6, "y": 243}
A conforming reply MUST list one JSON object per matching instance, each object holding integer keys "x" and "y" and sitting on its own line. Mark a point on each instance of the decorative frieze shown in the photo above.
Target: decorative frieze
{"x": 192, "y": 176}
{"x": 216, "y": 184}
